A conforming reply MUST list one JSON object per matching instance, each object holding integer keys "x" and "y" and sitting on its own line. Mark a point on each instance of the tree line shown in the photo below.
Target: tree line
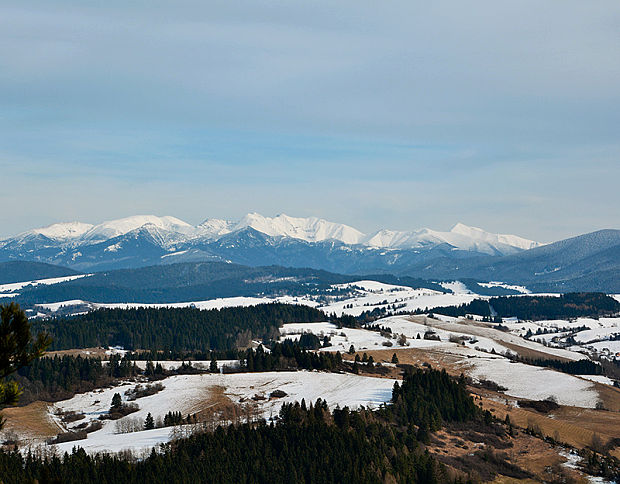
{"x": 290, "y": 355}
{"x": 61, "y": 377}
{"x": 580, "y": 367}
{"x": 175, "y": 329}
{"x": 563, "y": 306}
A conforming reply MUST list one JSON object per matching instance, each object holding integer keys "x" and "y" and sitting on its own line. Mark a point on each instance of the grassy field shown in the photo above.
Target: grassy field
{"x": 32, "y": 421}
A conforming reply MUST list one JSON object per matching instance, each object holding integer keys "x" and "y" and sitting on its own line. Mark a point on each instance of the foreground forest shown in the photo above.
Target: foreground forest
{"x": 307, "y": 444}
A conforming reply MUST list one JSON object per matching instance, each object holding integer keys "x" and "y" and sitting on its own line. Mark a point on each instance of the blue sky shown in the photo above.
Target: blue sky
{"x": 503, "y": 115}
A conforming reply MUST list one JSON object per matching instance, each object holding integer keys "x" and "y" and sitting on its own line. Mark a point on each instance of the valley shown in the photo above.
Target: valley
{"x": 499, "y": 357}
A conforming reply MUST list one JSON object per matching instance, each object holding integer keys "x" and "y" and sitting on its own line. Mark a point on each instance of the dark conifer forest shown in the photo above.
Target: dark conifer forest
{"x": 175, "y": 329}
{"x": 61, "y": 377}
{"x": 564, "y": 306}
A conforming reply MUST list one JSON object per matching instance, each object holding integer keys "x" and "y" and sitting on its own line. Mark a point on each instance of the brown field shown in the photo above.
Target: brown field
{"x": 32, "y": 420}
{"x": 530, "y": 353}
{"x": 85, "y": 352}
{"x": 527, "y": 452}
{"x": 572, "y": 425}
{"x": 610, "y": 397}
{"x": 215, "y": 406}
{"x": 539, "y": 458}
{"x": 453, "y": 364}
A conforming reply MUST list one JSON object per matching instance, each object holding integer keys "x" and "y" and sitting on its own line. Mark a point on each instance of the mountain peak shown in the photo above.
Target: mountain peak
{"x": 215, "y": 227}
{"x": 461, "y": 228}
{"x": 114, "y": 228}
{"x": 311, "y": 229}
{"x": 62, "y": 230}
{"x": 484, "y": 236}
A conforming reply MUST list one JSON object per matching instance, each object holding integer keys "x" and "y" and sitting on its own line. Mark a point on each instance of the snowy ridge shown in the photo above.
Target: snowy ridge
{"x": 62, "y": 231}
{"x": 170, "y": 230}
{"x": 59, "y": 231}
{"x": 215, "y": 227}
{"x": 310, "y": 229}
{"x": 461, "y": 237}
{"x": 114, "y": 228}
{"x": 479, "y": 234}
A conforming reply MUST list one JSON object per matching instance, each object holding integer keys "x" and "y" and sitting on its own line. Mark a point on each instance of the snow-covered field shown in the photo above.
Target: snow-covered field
{"x": 585, "y": 335}
{"x": 478, "y": 337}
{"x": 189, "y": 393}
{"x": 10, "y": 290}
{"x": 362, "y": 296}
{"x": 598, "y": 379}
{"x": 340, "y": 339}
{"x": 521, "y": 380}
{"x": 535, "y": 383}
{"x": 521, "y": 289}
{"x": 199, "y": 364}
{"x": 592, "y": 335}
{"x": 481, "y": 331}
{"x": 368, "y": 295}
{"x": 612, "y": 347}
{"x": 208, "y": 304}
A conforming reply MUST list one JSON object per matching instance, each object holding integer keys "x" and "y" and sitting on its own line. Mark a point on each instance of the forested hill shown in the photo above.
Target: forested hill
{"x": 22, "y": 271}
{"x": 565, "y": 306}
{"x": 175, "y": 329}
{"x": 198, "y": 281}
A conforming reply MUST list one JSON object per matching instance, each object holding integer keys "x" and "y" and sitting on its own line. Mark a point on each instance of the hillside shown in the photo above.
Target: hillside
{"x": 588, "y": 262}
{"x": 21, "y": 271}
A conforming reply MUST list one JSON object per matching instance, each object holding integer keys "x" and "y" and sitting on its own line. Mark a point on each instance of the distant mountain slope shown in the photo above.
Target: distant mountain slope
{"x": 197, "y": 281}
{"x": 144, "y": 240}
{"x": 460, "y": 237}
{"x": 587, "y": 262}
{"x": 22, "y": 271}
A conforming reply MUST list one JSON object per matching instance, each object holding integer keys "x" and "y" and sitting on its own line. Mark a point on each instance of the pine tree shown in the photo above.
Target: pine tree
{"x": 117, "y": 402}
{"x": 213, "y": 365}
{"x": 149, "y": 423}
{"x": 394, "y": 359}
{"x": 17, "y": 349}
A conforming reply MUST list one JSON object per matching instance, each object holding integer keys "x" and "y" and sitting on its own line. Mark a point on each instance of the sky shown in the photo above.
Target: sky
{"x": 401, "y": 114}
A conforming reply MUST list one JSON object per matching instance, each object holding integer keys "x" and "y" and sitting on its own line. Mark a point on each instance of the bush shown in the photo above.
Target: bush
{"x": 120, "y": 412}
{"x": 542, "y": 406}
{"x": 140, "y": 391}
{"x": 68, "y": 437}
{"x": 68, "y": 417}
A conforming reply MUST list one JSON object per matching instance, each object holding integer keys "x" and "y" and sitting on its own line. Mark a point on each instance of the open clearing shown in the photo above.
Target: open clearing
{"x": 237, "y": 395}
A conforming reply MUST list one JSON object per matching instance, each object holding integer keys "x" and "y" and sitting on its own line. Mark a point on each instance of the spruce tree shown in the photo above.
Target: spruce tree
{"x": 17, "y": 349}
{"x": 149, "y": 423}
{"x": 117, "y": 402}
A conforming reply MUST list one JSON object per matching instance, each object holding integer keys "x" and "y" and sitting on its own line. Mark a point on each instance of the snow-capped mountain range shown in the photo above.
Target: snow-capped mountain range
{"x": 147, "y": 239}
